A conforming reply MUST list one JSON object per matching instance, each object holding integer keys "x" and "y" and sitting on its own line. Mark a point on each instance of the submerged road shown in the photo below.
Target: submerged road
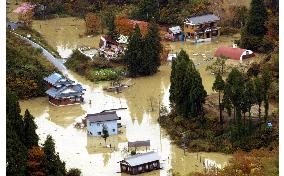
{"x": 58, "y": 63}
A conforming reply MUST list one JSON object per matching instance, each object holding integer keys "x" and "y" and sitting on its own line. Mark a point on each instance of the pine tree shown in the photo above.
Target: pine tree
{"x": 234, "y": 89}
{"x": 147, "y": 10}
{"x": 219, "y": 86}
{"x": 254, "y": 30}
{"x": 259, "y": 94}
{"x": 133, "y": 54}
{"x": 187, "y": 93}
{"x": 110, "y": 24}
{"x": 16, "y": 152}
{"x": 51, "y": 160}
{"x": 31, "y": 138}
{"x": 152, "y": 49}
{"x": 266, "y": 80}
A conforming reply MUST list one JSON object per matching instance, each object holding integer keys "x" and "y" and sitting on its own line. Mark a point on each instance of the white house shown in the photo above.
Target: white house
{"x": 96, "y": 121}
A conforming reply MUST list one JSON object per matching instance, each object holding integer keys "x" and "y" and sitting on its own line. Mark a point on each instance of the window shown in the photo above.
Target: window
{"x": 113, "y": 130}
{"x": 98, "y": 124}
{"x": 99, "y": 133}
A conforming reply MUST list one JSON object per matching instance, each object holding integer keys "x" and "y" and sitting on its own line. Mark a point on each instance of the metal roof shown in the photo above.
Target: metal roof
{"x": 142, "y": 158}
{"x": 66, "y": 91}
{"x": 232, "y": 53}
{"x": 175, "y": 29}
{"x": 139, "y": 143}
{"x": 57, "y": 79}
{"x": 201, "y": 19}
{"x": 102, "y": 116}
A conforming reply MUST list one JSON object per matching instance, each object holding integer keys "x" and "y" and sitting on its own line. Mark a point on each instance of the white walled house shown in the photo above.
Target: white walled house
{"x": 96, "y": 121}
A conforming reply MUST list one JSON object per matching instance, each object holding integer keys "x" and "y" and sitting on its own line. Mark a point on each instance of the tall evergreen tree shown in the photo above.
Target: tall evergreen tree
{"x": 254, "y": 29}
{"x": 133, "y": 54}
{"x": 266, "y": 80}
{"x": 110, "y": 24}
{"x": 16, "y": 152}
{"x": 219, "y": 86}
{"x": 151, "y": 50}
{"x": 31, "y": 138}
{"x": 147, "y": 10}
{"x": 51, "y": 160}
{"x": 187, "y": 93}
{"x": 234, "y": 89}
{"x": 258, "y": 94}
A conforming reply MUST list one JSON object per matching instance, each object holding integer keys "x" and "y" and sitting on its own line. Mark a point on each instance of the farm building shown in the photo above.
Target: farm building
{"x": 95, "y": 123}
{"x": 201, "y": 28}
{"x": 137, "y": 144}
{"x": 63, "y": 91}
{"x": 140, "y": 163}
{"x": 234, "y": 53}
{"x": 125, "y": 26}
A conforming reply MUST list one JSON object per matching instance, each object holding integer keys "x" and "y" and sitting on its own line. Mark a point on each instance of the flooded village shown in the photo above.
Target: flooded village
{"x": 114, "y": 130}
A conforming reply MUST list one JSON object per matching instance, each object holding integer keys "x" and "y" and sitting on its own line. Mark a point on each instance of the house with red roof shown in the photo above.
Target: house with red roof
{"x": 234, "y": 53}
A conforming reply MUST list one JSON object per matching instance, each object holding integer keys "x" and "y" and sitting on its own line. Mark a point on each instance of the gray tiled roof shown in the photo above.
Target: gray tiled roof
{"x": 142, "y": 158}
{"x": 57, "y": 79}
{"x": 202, "y": 19}
{"x": 76, "y": 90}
{"x": 102, "y": 116}
{"x": 139, "y": 143}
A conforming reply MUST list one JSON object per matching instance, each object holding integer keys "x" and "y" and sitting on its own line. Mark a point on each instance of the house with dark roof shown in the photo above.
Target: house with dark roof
{"x": 201, "y": 28}
{"x": 234, "y": 53}
{"x": 96, "y": 122}
{"x": 140, "y": 163}
{"x": 63, "y": 91}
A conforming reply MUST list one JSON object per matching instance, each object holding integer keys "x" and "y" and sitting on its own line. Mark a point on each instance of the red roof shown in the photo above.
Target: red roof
{"x": 230, "y": 52}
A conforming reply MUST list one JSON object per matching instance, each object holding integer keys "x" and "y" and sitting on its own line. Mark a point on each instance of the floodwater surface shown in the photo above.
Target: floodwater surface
{"x": 91, "y": 154}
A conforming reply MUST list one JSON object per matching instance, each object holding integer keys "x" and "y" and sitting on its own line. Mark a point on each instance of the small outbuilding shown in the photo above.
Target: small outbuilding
{"x": 95, "y": 123}
{"x": 234, "y": 53}
{"x": 140, "y": 163}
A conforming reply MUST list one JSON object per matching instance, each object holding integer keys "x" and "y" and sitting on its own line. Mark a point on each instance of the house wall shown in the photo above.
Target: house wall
{"x": 66, "y": 101}
{"x": 94, "y": 128}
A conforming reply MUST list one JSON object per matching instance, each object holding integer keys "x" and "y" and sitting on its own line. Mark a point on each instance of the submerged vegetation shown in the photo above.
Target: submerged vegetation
{"x": 26, "y": 68}
{"x": 99, "y": 69}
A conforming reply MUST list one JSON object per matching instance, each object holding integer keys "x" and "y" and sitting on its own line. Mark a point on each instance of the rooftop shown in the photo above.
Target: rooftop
{"x": 57, "y": 79}
{"x": 175, "y": 29}
{"x": 142, "y": 158}
{"x": 201, "y": 19}
{"x": 139, "y": 143}
{"x": 65, "y": 91}
{"x": 230, "y": 52}
{"x": 103, "y": 116}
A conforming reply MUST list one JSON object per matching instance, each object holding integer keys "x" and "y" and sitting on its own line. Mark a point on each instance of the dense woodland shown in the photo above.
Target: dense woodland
{"x": 26, "y": 68}
{"x": 25, "y": 156}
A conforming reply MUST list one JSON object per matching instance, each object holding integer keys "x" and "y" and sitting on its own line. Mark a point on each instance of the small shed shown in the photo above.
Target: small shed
{"x": 140, "y": 163}
{"x": 175, "y": 31}
{"x": 95, "y": 123}
{"x": 234, "y": 53}
{"x": 137, "y": 144}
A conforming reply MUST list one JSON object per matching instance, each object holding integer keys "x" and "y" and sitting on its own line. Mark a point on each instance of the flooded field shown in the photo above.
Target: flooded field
{"x": 139, "y": 122}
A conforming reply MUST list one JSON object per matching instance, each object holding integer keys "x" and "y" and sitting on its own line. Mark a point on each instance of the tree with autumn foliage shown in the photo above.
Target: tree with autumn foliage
{"x": 93, "y": 23}
{"x": 34, "y": 162}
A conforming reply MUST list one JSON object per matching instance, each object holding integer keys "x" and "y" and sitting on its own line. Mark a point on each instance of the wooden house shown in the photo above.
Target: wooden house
{"x": 234, "y": 53}
{"x": 63, "y": 91}
{"x": 140, "y": 163}
{"x": 95, "y": 123}
{"x": 201, "y": 28}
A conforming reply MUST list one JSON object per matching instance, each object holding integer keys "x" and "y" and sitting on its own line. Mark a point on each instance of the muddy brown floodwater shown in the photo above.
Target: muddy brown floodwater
{"x": 139, "y": 120}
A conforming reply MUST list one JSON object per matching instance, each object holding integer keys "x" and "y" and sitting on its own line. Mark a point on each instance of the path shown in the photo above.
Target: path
{"x": 55, "y": 61}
